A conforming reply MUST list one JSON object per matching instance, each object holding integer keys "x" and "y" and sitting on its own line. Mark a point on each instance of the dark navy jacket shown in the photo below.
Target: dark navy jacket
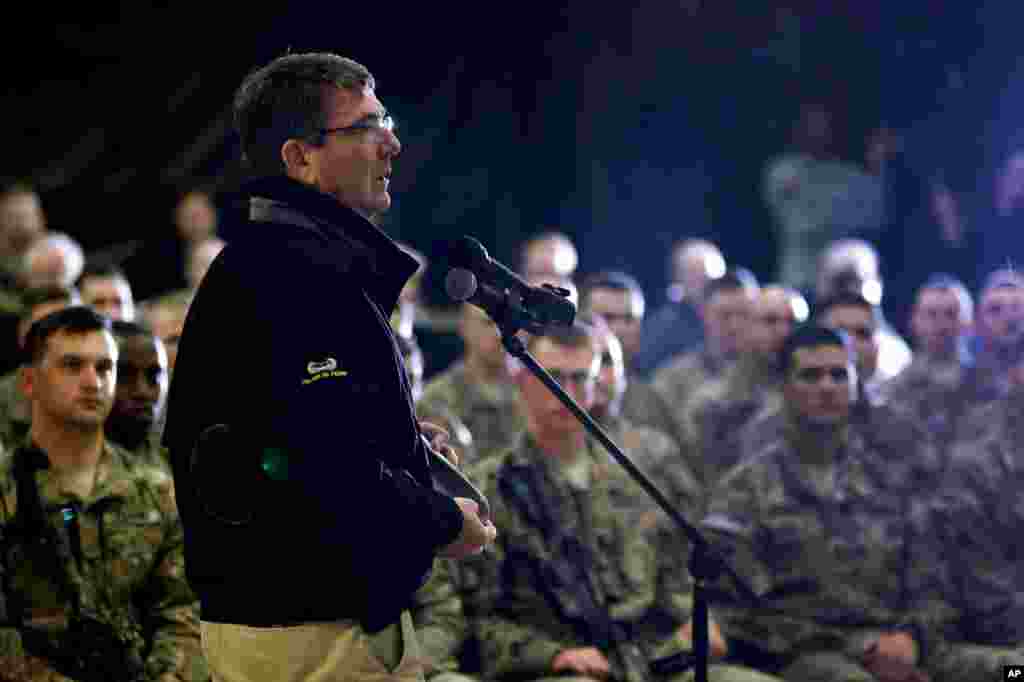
{"x": 322, "y": 498}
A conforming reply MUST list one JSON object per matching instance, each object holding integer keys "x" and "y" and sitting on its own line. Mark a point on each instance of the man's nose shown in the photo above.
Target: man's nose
{"x": 392, "y": 145}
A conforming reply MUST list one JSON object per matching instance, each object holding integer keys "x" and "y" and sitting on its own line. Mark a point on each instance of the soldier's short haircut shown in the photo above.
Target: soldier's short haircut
{"x": 1004, "y": 278}
{"x": 74, "y": 320}
{"x": 942, "y": 281}
{"x": 101, "y": 271}
{"x": 842, "y": 299}
{"x": 579, "y": 334}
{"x": 123, "y": 329}
{"x": 610, "y": 279}
{"x": 37, "y": 296}
{"x": 734, "y": 279}
{"x": 286, "y": 99}
{"x": 811, "y": 335}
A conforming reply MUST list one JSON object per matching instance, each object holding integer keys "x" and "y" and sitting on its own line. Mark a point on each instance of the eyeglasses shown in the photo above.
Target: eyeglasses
{"x": 814, "y": 375}
{"x": 377, "y": 124}
{"x": 580, "y": 377}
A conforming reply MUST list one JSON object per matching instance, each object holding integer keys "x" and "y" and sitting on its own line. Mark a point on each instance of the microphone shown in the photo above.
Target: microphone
{"x": 477, "y": 278}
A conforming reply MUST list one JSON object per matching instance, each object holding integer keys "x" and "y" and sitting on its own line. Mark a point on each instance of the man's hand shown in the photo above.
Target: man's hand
{"x": 584, "y": 661}
{"x": 893, "y": 657}
{"x": 439, "y": 440}
{"x": 899, "y": 646}
{"x": 715, "y": 638}
{"x": 476, "y": 533}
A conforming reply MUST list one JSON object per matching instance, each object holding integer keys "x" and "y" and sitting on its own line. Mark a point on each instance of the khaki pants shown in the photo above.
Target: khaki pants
{"x": 313, "y": 652}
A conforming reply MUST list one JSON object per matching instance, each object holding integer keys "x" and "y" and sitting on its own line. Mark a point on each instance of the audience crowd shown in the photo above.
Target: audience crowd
{"x": 865, "y": 486}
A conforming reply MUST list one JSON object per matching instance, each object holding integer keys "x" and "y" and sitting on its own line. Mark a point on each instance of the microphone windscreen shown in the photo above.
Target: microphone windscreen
{"x": 460, "y": 284}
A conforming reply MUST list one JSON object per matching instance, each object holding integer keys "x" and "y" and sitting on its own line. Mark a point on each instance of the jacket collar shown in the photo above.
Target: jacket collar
{"x": 285, "y": 201}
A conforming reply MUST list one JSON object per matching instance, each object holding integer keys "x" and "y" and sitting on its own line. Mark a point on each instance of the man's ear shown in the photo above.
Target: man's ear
{"x": 298, "y": 161}
{"x": 26, "y": 380}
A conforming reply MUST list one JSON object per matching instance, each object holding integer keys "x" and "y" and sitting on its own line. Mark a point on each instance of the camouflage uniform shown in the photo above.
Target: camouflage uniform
{"x": 149, "y": 452}
{"x": 441, "y": 627}
{"x": 717, "y": 414}
{"x": 569, "y": 571}
{"x": 979, "y": 514}
{"x": 119, "y": 564}
{"x": 941, "y": 395}
{"x": 490, "y": 411}
{"x": 838, "y": 529}
{"x": 644, "y": 406}
{"x": 15, "y": 411}
{"x": 681, "y": 377}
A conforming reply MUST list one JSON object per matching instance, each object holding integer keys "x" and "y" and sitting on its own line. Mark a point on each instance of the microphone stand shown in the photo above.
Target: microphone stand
{"x": 706, "y": 565}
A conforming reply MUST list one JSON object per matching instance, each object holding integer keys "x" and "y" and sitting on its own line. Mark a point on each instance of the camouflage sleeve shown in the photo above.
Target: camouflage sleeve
{"x": 762, "y": 558}
{"x": 440, "y": 624}
{"x": 976, "y": 525}
{"x": 169, "y": 609}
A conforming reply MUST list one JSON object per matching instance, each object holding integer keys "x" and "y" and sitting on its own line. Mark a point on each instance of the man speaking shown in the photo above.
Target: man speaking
{"x": 302, "y": 475}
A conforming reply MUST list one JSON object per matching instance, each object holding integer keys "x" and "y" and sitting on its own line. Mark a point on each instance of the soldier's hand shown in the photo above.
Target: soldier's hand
{"x": 584, "y": 661}
{"x": 889, "y": 669}
{"x": 715, "y": 638}
{"x": 476, "y": 533}
{"x": 439, "y": 440}
{"x": 899, "y": 646}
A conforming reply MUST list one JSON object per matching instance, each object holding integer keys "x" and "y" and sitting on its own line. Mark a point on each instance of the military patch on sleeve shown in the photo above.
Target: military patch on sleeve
{"x": 319, "y": 370}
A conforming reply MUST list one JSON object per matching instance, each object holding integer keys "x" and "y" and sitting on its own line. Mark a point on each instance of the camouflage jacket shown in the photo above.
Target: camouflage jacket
{"x": 716, "y": 416}
{"x": 490, "y": 412}
{"x": 124, "y": 568}
{"x": 979, "y": 514}
{"x": 15, "y": 411}
{"x": 833, "y": 532}
{"x": 568, "y": 570}
{"x": 644, "y": 406}
{"x": 149, "y": 452}
{"x": 941, "y": 396}
{"x": 441, "y": 628}
{"x": 680, "y": 379}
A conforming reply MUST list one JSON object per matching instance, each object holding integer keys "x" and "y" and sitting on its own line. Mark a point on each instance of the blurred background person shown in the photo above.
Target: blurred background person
{"x": 55, "y": 259}
{"x": 725, "y": 312}
{"x": 676, "y": 326}
{"x": 816, "y": 197}
{"x": 105, "y": 289}
{"x": 478, "y": 389}
{"x": 22, "y": 221}
{"x": 853, "y": 265}
{"x": 167, "y": 319}
{"x": 548, "y": 255}
{"x": 717, "y": 415}
{"x": 617, "y": 298}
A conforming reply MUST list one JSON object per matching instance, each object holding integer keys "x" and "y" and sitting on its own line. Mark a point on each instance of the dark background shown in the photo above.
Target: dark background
{"x": 626, "y": 127}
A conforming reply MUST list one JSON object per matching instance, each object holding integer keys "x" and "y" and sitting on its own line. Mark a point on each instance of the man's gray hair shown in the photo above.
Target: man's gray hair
{"x": 74, "y": 257}
{"x": 285, "y": 99}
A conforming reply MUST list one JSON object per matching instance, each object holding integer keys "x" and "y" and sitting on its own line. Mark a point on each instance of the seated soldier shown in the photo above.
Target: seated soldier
{"x": 94, "y": 577}
{"x": 106, "y": 290}
{"x": 572, "y": 588}
{"x": 479, "y": 389}
{"x": 825, "y": 524}
{"x": 717, "y": 414}
{"x": 135, "y": 419}
{"x": 653, "y": 451}
{"x": 618, "y": 298}
{"x": 441, "y": 627}
{"x": 725, "y": 313}
{"x": 979, "y": 519}
{"x": 167, "y": 320}
{"x": 15, "y": 411}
